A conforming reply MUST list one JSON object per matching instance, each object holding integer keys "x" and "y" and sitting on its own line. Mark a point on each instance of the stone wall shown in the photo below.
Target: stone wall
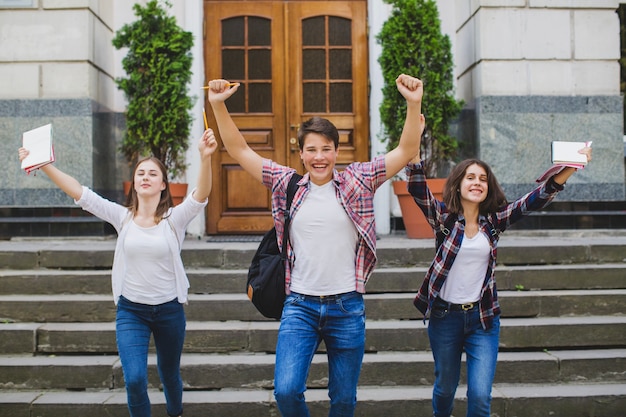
{"x": 533, "y": 71}
{"x": 56, "y": 66}
{"x": 84, "y": 141}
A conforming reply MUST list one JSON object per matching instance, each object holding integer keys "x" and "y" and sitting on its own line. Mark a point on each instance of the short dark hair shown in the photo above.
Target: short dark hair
{"x": 452, "y": 198}
{"x": 320, "y": 126}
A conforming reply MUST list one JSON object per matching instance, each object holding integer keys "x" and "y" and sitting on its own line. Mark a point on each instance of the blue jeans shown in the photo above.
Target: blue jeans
{"x": 450, "y": 332}
{"x": 340, "y": 322}
{"x": 133, "y": 325}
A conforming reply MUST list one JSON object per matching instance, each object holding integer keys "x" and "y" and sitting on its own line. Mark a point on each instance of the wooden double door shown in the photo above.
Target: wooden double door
{"x": 294, "y": 60}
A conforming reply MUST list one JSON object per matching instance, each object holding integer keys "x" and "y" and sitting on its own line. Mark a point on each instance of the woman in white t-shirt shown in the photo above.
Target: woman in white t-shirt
{"x": 148, "y": 277}
{"x": 458, "y": 294}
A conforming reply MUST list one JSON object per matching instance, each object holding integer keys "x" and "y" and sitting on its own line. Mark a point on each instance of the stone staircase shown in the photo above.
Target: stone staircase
{"x": 563, "y": 339}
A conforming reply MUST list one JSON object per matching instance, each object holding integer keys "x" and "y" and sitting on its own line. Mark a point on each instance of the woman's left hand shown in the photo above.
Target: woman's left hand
{"x": 587, "y": 151}
{"x": 207, "y": 144}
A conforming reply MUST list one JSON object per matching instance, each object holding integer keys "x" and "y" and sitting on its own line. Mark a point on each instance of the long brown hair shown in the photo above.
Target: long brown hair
{"x": 132, "y": 202}
{"x": 452, "y": 197}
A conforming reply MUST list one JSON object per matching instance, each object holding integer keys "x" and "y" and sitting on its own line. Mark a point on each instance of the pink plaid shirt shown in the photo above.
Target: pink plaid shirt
{"x": 354, "y": 188}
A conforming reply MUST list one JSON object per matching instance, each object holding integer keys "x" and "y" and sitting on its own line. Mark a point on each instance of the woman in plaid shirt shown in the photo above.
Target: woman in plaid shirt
{"x": 459, "y": 291}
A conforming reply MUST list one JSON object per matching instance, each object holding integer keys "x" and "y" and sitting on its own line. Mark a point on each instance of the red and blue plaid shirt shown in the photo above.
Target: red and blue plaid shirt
{"x": 354, "y": 188}
{"x": 436, "y": 212}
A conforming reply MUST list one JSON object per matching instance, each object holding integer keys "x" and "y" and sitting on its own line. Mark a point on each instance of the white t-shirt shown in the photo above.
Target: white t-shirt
{"x": 149, "y": 275}
{"x": 324, "y": 241}
{"x": 467, "y": 274}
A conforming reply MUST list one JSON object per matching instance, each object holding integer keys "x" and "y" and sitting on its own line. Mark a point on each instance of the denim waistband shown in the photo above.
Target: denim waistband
{"x": 127, "y": 301}
{"x": 442, "y": 304}
{"x": 325, "y": 298}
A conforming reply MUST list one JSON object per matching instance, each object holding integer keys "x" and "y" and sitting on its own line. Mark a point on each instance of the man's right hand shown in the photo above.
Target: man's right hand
{"x": 220, "y": 90}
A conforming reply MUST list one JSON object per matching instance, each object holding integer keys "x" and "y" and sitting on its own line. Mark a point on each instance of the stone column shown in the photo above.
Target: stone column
{"x": 56, "y": 66}
{"x": 534, "y": 71}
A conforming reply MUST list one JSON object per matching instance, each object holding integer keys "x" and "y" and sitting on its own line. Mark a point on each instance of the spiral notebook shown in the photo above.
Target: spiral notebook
{"x": 38, "y": 141}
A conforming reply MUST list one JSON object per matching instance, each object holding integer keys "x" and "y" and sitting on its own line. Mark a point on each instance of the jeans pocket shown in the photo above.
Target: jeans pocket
{"x": 438, "y": 313}
{"x": 293, "y": 299}
{"x": 352, "y": 305}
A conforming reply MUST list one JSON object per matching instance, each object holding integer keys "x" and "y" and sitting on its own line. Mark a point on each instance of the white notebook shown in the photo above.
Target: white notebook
{"x": 39, "y": 144}
{"x": 567, "y": 153}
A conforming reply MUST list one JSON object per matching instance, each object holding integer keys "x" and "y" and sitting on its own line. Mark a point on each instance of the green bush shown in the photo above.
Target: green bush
{"x": 158, "y": 69}
{"x": 412, "y": 43}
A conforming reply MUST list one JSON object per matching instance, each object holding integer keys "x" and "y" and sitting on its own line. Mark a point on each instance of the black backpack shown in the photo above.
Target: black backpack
{"x": 266, "y": 276}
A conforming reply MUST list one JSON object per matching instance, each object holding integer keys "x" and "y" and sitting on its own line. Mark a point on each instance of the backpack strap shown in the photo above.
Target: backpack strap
{"x": 444, "y": 229}
{"x": 292, "y": 187}
{"x": 495, "y": 232}
{"x": 448, "y": 224}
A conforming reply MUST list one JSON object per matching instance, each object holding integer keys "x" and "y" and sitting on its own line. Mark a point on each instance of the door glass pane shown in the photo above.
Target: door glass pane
{"x": 314, "y": 31}
{"x": 237, "y": 102}
{"x": 327, "y": 65}
{"x": 233, "y": 64}
{"x": 314, "y": 64}
{"x": 247, "y": 58}
{"x": 314, "y": 100}
{"x": 260, "y": 64}
{"x": 260, "y": 98}
{"x": 259, "y": 31}
{"x": 341, "y": 98}
{"x": 233, "y": 31}
{"x": 341, "y": 64}
{"x": 339, "y": 31}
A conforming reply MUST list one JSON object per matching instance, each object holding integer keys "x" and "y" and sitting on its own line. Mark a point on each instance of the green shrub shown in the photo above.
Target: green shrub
{"x": 158, "y": 69}
{"x": 412, "y": 43}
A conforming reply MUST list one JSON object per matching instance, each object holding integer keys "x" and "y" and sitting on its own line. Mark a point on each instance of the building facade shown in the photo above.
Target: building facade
{"x": 529, "y": 71}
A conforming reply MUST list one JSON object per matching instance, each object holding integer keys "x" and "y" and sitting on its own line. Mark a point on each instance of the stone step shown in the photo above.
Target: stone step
{"x": 509, "y": 400}
{"x": 515, "y": 248}
{"x": 387, "y": 306}
{"x": 398, "y": 279}
{"x": 245, "y": 371}
{"x": 563, "y": 337}
{"x": 533, "y": 334}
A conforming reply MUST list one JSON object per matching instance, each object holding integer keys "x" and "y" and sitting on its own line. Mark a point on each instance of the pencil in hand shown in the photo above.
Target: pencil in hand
{"x": 206, "y": 87}
{"x": 206, "y": 123}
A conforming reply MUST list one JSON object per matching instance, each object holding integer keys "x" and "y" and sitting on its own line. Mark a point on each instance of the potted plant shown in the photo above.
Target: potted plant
{"x": 158, "y": 71}
{"x": 412, "y": 43}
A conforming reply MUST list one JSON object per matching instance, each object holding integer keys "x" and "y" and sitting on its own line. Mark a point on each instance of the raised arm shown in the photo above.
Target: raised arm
{"x": 65, "y": 182}
{"x": 412, "y": 89}
{"x": 235, "y": 143}
{"x": 206, "y": 146}
{"x": 567, "y": 172}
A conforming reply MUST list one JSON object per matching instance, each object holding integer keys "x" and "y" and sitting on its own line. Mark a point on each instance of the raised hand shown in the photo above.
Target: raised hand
{"x": 411, "y": 88}
{"x": 220, "y": 90}
{"x": 207, "y": 144}
{"x": 22, "y": 153}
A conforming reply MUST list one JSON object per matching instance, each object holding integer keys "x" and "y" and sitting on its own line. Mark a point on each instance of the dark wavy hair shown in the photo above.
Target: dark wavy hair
{"x": 166, "y": 198}
{"x": 452, "y": 197}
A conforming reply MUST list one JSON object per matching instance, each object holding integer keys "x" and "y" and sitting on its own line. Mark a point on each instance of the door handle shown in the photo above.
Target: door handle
{"x": 293, "y": 141}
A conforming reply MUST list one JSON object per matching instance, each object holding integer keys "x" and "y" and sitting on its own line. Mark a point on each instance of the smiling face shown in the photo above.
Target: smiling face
{"x": 474, "y": 185}
{"x": 148, "y": 179}
{"x": 319, "y": 156}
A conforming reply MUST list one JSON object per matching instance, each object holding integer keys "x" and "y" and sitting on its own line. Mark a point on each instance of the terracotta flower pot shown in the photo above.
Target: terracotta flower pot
{"x": 415, "y": 223}
{"x": 178, "y": 190}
